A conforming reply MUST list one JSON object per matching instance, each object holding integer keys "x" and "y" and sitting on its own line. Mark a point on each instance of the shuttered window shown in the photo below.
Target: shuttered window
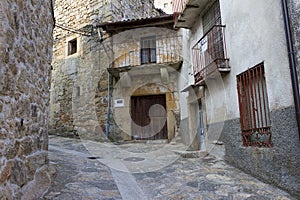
{"x": 212, "y": 17}
{"x": 254, "y": 109}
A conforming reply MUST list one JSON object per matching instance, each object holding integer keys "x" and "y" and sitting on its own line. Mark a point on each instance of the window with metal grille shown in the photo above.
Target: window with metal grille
{"x": 148, "y": 50}
{"x": 254, "y": 109}
{"x": 212, "y": 17}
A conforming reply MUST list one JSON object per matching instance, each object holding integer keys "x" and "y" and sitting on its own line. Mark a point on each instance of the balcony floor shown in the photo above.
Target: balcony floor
{"x": 152, "y": 68}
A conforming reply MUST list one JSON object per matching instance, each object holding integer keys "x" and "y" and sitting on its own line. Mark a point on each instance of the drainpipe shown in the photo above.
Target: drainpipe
{"x": 107, "y": 125}
{"x": 293, "y": 69}
{"x": 52, "y": 12}
{"x": 108, "y": 106}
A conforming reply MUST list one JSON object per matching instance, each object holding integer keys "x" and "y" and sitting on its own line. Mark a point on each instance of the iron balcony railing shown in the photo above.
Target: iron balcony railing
{"x": 209, "y": 54}
{"x": 131, "y": 53}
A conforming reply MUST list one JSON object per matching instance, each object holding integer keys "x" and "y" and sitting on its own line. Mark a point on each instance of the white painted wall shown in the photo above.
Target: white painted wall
{"x": 186, "y": 77}
{"x": 254, "y": 34}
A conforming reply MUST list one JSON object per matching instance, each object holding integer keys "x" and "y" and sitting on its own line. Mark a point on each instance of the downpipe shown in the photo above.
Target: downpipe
{"x": 107, "y": 125}
{"x": 108, "y": 107}
{"x": 291, "y": 53}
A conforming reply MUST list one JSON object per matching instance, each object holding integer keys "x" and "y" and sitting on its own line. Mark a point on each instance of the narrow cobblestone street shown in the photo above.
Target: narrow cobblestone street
{"x": 85, "y": 172}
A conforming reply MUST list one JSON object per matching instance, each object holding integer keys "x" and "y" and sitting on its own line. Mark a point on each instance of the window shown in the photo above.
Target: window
{"x": 72, "y": 47}
{"x": 214, "y": 34}
{"x": 254, "y": 109}
{"x": 212, "y": 17}
{"x": 148, "y": 50}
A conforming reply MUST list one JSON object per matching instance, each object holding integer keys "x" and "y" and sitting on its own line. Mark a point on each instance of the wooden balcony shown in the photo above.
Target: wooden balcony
{"x": 166, "y": 51}
{"x": 209, "y": 55}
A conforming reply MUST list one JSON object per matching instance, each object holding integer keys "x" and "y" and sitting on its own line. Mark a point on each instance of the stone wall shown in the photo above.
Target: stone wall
{"x": 132, "y": 9}
{"x": 72, "y": 15}
{"x": 79, "y": 81}
{"x": 26, "y": 51}
{"x": 277, "y": 165}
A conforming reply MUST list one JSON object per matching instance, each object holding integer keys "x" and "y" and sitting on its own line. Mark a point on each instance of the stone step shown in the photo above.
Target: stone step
{"x": 157, "y": 142}
{"x": 191, "y": 154}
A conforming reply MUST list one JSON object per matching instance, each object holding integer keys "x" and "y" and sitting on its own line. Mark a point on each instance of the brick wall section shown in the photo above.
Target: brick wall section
{"x": 26, "y": 50}
{"x": 84, "y": 113}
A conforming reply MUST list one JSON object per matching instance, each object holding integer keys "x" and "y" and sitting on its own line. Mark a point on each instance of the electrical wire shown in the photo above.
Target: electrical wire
{"x": 73, "y": 30}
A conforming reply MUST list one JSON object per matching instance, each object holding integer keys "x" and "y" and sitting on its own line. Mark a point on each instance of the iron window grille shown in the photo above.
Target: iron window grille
{"x": 254, "y": 109}
{"x": 148, "y": 50}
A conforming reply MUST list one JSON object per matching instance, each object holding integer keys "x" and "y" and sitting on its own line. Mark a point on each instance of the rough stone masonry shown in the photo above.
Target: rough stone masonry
{"x": 25, "y": 66}
{"x": 79, "y": 82}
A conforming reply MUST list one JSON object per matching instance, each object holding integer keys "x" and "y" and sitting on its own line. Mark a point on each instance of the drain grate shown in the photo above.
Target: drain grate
{"x": 93, "y": 157}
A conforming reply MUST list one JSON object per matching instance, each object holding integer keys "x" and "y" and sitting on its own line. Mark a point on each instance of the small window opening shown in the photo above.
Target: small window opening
{"x": 72, "y": 47}
{"x": 78, "y": 91}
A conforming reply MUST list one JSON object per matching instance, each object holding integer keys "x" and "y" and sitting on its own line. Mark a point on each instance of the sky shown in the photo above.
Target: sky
{"x": 165, "y": 5}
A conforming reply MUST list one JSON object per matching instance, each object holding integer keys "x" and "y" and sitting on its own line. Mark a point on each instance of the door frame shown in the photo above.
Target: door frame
{"x": 164, "y": 134}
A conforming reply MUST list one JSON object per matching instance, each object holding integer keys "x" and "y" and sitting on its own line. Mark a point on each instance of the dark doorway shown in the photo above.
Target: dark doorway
{"x": 149, "y": 125}
{"x": 201, "y": 126}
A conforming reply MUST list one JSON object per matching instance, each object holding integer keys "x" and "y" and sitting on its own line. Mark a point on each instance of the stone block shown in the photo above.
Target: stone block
{"x": 36, "y": 161}
{"x": 40, "y": 183}
{"x": 11, "y": 151}
{"x": 25, "y": 147}
{"x": 7, "y": 171}
{"x": 18, "y": 175}
{"x": 6, "y": 193}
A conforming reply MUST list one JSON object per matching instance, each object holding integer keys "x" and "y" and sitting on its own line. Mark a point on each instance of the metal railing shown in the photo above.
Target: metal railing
{"x": 177, "y": 7}
{"x": 254, "y": 107}
{"x": 167, "y": 50}
{"x": 209, "y": 54}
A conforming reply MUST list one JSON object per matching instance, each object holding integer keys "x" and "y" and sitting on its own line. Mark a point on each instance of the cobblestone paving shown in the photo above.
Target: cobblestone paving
{"x": 84, "y": 174}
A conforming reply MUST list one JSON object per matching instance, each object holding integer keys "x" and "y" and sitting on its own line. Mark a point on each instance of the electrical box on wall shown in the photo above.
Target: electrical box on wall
{"x": 119, "y": 103}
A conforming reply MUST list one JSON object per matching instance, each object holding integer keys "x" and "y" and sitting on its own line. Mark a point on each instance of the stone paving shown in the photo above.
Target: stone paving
{"x": 87, "y": 170}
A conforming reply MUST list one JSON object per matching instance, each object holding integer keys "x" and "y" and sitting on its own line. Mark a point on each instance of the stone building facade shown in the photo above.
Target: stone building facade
{"x": 81, "y": 56}
{"x": 240, "y": 89}
{"x": 26, "y": 51}
{"x": 146, "y": 56}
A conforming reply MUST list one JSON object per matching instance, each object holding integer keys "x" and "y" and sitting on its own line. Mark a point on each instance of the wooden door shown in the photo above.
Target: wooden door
{"x": 146, "y": 127}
